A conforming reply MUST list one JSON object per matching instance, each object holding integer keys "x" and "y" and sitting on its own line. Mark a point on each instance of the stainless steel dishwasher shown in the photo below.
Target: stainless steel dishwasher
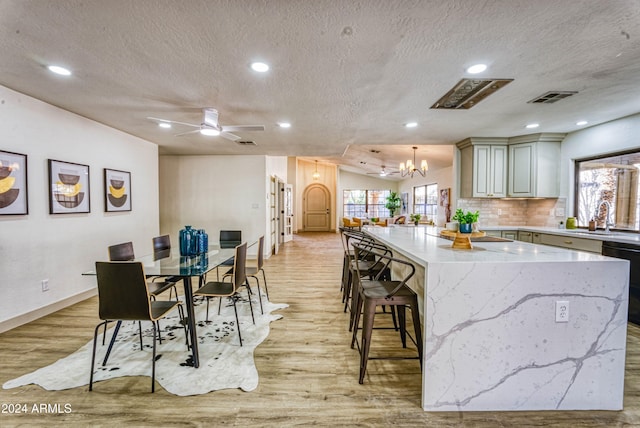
{"x": 629, "y": 252}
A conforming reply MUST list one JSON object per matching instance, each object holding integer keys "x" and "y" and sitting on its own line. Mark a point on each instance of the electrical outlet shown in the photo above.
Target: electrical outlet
{"x": 45, "y": 285}
{"x": 562, "y": 311}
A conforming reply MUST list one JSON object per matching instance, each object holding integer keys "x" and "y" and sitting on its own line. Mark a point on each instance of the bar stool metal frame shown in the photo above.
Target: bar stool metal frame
{"x": 389, "y": 293}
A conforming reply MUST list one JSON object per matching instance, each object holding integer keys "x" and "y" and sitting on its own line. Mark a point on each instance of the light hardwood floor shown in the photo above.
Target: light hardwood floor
{"x": 308, "y": 373}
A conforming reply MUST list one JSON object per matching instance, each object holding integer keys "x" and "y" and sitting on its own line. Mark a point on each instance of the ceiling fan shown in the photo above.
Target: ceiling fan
{"x": 383, "y": 172}
{"x": 210, "y": 126}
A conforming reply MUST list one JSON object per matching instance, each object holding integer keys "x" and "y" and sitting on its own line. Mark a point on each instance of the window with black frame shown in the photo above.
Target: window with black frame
{"x": 425, "y": 201}
{"x": 607, "y": 190}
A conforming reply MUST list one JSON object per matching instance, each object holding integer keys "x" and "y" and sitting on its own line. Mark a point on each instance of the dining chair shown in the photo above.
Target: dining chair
{"x": 124, "y": 252}
{"x": 228, "y": 239}
{"x": 393, "y": 293}
{"x": 230, "y": 289}
{"x": 123, "y": 296}
{"x": 161, "y": 243}
{"x": 253, "y": 271}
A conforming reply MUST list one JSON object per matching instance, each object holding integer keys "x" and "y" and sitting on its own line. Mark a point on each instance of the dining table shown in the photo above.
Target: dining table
{"x": 169, "y": 263}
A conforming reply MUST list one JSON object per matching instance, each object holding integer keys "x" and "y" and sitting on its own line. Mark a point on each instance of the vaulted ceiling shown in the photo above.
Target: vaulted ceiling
{"x": 347, "y": 75}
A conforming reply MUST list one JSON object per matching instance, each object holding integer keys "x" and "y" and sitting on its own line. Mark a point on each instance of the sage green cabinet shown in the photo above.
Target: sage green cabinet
{"x": 534, "y": 166}
{"x": 483, "y": 167}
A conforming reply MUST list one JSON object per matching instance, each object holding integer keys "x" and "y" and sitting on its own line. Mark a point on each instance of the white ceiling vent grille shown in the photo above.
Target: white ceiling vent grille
{"x": 551, "y": 97}
{"x": 469, "y": 92}
{"x": 246, "y": 143}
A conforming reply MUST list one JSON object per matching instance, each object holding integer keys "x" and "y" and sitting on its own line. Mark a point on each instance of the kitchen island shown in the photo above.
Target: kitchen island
{"x": 491, "y": 339}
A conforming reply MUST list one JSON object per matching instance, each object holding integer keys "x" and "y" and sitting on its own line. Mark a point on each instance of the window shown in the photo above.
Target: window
{"x": 425, "y": 201}
{"x": 365, "y": 203}
{"x": 614, "y": 180}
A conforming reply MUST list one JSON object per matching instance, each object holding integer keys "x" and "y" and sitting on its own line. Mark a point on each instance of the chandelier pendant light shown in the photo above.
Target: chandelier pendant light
{"x": 411, "y": 168}
{"x": 316, "y": 175}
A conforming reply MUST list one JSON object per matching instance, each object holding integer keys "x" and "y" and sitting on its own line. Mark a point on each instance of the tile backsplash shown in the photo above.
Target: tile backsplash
{"x": 517, "y": 212}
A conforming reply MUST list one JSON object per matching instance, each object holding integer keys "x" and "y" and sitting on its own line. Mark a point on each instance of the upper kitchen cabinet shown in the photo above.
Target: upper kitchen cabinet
{"x": 534, "y": 165}
{"x": 483, "y": 167}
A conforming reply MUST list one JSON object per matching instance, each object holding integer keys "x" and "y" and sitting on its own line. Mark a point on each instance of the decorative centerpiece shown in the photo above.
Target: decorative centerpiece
{"x": 462, "y": 238}
{"x": 415, "y": 218}
{"x": 466, "y": 220}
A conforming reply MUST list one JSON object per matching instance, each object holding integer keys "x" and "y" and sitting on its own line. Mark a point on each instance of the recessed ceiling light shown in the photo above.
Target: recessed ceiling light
{"x": 59, "y": 70}
{"x": 284, "y": 124}
{"x": 164, "y": 125}
{"x": 260, "y": 67}
{"x": 476, "y": 68}
{"x": 411, "y": 124}
{"x": 209, "y": 132}
{"x": 581, "y": 123}
{"x": 532, "y": 125}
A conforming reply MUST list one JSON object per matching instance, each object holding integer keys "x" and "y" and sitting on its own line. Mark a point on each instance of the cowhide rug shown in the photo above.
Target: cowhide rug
{"x": 223, "y": 362}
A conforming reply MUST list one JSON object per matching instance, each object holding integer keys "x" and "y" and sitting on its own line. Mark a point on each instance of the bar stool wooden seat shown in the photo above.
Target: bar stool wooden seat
{"x": 380, "y": 292}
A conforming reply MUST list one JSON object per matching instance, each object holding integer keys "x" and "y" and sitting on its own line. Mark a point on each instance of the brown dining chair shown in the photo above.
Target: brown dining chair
{"x": 228, "y": 239}
{"x": 124, "y": 252}
{"x": 230, "y": 289}
{"x": 253, "y": 271}
{"x": 123, "y": 296}
{"x": 387, "y": 292}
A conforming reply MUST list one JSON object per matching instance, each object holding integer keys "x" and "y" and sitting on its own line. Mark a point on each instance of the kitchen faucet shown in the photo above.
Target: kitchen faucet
{"x": 608, "y": 220}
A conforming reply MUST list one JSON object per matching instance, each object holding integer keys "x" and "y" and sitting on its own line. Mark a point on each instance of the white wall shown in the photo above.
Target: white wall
{"x": 615, "y": 136}
{"x": 217, "y": 192}
{"x": 444, "y": 178}
{"x": 60, "y": 247}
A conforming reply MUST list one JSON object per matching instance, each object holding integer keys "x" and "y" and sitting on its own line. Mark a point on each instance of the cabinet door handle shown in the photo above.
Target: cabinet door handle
{"x": 568, "y": 242}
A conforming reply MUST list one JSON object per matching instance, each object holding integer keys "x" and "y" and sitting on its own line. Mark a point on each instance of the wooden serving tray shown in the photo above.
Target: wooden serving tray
{"x": 462, "y": 241}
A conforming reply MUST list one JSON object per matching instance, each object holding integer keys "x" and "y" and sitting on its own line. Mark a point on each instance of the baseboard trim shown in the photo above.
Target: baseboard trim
{"x": 46, "y": 310}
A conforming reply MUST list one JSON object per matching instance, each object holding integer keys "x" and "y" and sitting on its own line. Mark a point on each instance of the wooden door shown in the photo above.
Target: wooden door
{"x": 317, "y": 209}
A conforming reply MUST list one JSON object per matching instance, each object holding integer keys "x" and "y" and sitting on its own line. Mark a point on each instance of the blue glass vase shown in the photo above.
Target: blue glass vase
{"x": 202, "y": 241}
{"x": 187, "y": 241}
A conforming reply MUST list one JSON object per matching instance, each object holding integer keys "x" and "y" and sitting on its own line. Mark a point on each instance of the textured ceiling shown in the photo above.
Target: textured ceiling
{"x": 347, "y": 74}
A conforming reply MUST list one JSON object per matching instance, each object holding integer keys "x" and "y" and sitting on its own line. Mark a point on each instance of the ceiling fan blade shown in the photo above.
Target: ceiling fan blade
{"x": 241, "y": 128}
{"x": 157, "y": 119}
{"x": 211, "y": 117}
{"x": 229, "y": 136}
{"x": 186, "y": 133}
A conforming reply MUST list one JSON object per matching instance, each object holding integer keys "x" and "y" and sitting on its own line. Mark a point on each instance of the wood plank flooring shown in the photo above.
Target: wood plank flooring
{"x": 308, "y": 372}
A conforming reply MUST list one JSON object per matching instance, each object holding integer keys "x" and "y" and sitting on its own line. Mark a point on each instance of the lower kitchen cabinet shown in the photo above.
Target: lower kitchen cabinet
{"x": 573, "y": 243}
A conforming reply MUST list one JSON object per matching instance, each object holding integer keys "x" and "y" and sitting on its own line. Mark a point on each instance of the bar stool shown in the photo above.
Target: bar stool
{"x": 380, "y": 292}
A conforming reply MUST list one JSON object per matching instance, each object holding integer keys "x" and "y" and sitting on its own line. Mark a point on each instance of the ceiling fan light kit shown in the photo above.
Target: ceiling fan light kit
{"x": 210, "y": 126}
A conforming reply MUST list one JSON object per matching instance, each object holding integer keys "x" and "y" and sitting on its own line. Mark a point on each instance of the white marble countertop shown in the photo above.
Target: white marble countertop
{"x": 423, "y": 245}
{"x": 599, "y": 234}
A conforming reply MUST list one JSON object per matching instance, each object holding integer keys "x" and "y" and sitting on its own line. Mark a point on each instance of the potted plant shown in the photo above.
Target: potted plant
{"x": 393, "y": 203}
{"x": 415, "y": 218}
{"x": 466, "y": 220}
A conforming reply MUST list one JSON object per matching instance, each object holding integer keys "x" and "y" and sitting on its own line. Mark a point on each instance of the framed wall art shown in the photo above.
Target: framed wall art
{"x": 68, "y": 188}
{"x": 117, "y": 190}
{"x": 14, "y": 198}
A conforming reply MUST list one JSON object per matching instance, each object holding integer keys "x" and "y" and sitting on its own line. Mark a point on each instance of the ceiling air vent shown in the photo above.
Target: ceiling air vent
{"x": 246, "y": 143}
{"x": 469, "y": 92}
{"x": 551, "y": 97}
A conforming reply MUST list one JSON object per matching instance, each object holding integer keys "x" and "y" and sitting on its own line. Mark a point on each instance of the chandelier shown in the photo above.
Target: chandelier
{"x": 411, "y": 168}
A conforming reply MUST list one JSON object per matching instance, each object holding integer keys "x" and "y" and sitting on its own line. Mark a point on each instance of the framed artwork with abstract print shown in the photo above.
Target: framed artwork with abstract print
{"x": 117, "y": 190}
{"x": 68, "y": 188}
{"x": 13, "y": 184}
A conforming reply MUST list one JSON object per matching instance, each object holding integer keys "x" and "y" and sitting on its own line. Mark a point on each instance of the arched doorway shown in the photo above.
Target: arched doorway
{"x": 317, "y": 208}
